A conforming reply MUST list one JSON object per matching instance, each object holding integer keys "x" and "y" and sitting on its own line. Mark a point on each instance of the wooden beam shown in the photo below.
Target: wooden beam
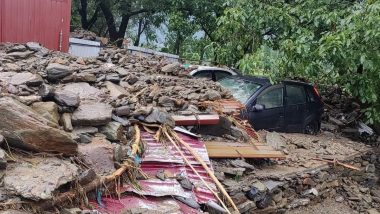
{"x": 201, "y": 119}
{"x": 238, "y": 150}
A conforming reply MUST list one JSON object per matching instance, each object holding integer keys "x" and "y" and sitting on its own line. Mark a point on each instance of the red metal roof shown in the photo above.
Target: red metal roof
{"x": 43, "y": 21}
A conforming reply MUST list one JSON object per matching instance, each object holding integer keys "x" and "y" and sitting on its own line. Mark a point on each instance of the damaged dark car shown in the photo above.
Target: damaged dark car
{"x": 290, "y": 106}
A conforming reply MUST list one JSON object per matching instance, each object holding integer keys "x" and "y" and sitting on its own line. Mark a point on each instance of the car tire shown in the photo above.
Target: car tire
{"x": 312, "y": 128}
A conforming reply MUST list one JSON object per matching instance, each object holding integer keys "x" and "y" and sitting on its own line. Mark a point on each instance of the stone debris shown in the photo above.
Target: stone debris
{"x": 39, "y": 179}
{"x": 83, "y": 111}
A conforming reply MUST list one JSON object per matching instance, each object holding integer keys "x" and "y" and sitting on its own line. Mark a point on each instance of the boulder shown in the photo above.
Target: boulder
{"x": 66, "y": 98}
{"x": 46, "y": 92}
{"x": 38, "y": 180}
{"x": 20, "y": 55}
{"x": 80, "y": 77}
{"x": 66, "y": 122}
{"x": 116, "y": 91}
{"x": 33, "y": 46}
{"x": 92, "y": 114}
{"x": 113, "y": 131}
{"x": 123, "y": 111}
{"x": 83, "y": 90}
{"x": 26, "y": 78}
{"x": 160, "y": 116}
{"x": 98, "y": 155}
{"x": 213, "y": 95}
{"x": 48, "y": 110}
{"x": 56, "y": 72}
{"x": 170, "y": 68}
{"x": 26, "y": 129}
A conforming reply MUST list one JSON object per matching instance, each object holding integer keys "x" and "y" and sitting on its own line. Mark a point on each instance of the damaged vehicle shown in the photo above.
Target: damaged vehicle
{"x": 290, "y": 106}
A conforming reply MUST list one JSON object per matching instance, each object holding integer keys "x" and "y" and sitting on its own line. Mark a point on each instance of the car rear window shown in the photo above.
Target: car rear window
{"x": 271, "y": 99}
{"x": 295, "y": 94}
{"x": 240, "y": 89}
{"x": 311, "y": 95}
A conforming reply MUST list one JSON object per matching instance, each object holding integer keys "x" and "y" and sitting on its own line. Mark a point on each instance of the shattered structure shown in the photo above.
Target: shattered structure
{"x": 127, "y": 134}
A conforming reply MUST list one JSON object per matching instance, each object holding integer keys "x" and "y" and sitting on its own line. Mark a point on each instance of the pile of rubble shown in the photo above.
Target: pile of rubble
{"x": 343, "y": 114}
{"x": 69, "y": 121}
{"x": 97, "y": 133}
{"x": 304, "y": 178}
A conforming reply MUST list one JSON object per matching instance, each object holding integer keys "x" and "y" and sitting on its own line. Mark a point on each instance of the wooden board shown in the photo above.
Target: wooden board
{"x": 201, "y": 119}
{"x": 238, "y": 150}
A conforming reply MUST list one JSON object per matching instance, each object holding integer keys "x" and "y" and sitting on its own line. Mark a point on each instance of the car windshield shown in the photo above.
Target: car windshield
{"x": 240, "y": 89}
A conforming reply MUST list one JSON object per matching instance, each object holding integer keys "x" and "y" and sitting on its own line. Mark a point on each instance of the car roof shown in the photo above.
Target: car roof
{"x": 262, "y": 80}
{"x": 256, "y": 79}
{"x": 202, "y": 67}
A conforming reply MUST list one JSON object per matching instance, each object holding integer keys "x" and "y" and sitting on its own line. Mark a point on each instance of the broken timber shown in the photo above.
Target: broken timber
{"x": 200, "y": 119}
{"x": 241, "y": 150}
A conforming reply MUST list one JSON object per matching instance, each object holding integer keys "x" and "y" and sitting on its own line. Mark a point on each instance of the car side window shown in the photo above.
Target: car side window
{"x": 272, "y": 98}
{"x": 310, "y": 94}
{"x": 221, "y": 74}
{"x": 204, "y": 74}
{"x": 295, "y": 94}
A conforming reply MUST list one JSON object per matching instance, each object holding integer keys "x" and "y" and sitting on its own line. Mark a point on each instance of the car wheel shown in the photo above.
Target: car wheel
{"x": 312, "y": 128}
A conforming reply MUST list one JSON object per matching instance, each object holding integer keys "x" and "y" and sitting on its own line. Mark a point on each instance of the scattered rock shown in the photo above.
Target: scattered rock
{"x": 123, "y": 111}
{"x": 83, "y": 90}
{"x": 116, "y": 92}
{"x": 56, "y": 72}
{"x": 213, "y": 95}
{"x": 159, "y": 116}
{"x": 98, "y": 155}
{"x": 113, "y": 131}
{"x": 66, "y": 98}
{"x": 26, "y": 129}
{"x": 3, "y": 160}
{"x": 92, "y": 114}
{"x": 171, "y": 68}
{"x": 236, "y": 171}
{"x": 71, "y": 211}
{"x": 66, "y": 122}
{"x": 48, "y": 110}
{"x": 38, "y": 181}
{"x": 34, "y": 46}
{"x": 26, "y": 78}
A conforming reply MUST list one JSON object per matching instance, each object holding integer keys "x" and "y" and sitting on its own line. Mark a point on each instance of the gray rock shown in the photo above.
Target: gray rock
{"x": 118, "y": 154}
{"x": 26, "y": 78}
{"x": 116, "y": 91}
{"x": 299, "y": 202}
{"x": 246, "y": 206}
{"x": 123, "y": 111}
{"x": 66, "y": 98}
{"x": 171, "y": 68}
{"x": 25, "y": 128}
{"x": 39, "y": 180}
{"x": 3, "y": 160}
{"x": 370, "y": 168}
{"x": 20, "y": 55}
{"x": 241, "y": 163}
{"x": 122, "y": 72}
{"x": 66, "y": 122}
{"x": 85, "y": 138}
{"x": 238, "y": 133}
{"x": 92, "y": 114}
{"x": 113, "y": 131}
{"x": 87, "y": 176}
{"x": 122, "y": 121}
{"x": 235, "y": 171}
{"x": 213, "y": 95}
{"x": 165, "y": 101}
{"x": 17, "y": 48}
{"x": 71, "y": 211}
{"x": 113, "y": 78}
{"x": 34, "y": 46}
{"x": 56, "y": 72}
{"x": 28, "y": 100}
{"x": 80, "y": 77}
{"x": 85, "y": 130}
{"x": 275, "y": 140}
{"x": 46, "y": 92}
{"x": 160, "y": 116}
{"x": 48, "y": 110}
{"x": 98, "y": 155}
{"x": 83, "y": 90}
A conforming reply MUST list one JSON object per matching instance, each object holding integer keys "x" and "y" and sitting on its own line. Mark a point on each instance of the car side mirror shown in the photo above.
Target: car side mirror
{"x": 258, "y": 107}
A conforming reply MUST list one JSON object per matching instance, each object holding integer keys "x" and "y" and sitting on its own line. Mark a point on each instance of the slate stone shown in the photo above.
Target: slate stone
{"x": 92, "y": 114}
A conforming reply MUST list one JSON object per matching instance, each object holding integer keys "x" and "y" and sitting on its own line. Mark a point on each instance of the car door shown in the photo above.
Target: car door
{"x": 272, "y": 115}
{"x": 295, "y": 107}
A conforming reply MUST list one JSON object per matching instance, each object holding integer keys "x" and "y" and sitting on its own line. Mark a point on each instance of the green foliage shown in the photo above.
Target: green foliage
{"x": 327, "y": 42}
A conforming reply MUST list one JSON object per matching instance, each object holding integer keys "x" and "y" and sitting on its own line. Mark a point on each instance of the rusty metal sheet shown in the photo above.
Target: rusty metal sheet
{"x": 147, "y": 204}
{"x": 152, "y": 164}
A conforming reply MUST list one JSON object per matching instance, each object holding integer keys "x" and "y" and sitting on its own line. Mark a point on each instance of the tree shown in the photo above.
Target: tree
{"x": 329, "y": 42}
{"x": 118, "y": 14}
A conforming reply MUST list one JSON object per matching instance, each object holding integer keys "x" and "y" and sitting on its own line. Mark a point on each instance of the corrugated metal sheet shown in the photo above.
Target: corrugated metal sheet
{"x": 84, "y": 48}
{"x": 167, "y": 158}
{"x": 43, "y": 21}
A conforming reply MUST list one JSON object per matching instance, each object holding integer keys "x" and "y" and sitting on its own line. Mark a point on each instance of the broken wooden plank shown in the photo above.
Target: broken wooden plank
{"x": 201, "y": 119}
{"x": 238, "y": 150}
